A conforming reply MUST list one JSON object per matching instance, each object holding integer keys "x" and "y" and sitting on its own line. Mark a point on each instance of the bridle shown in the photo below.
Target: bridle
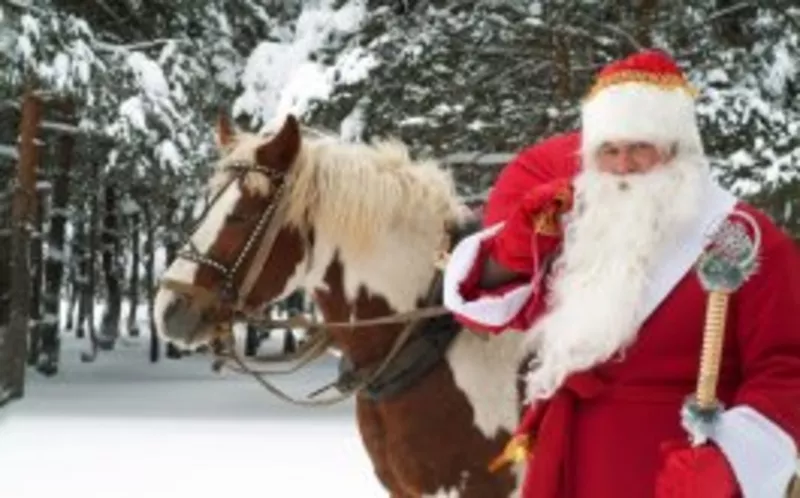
{"x": 228, "y": 295}
{"x": 232, "y": 299}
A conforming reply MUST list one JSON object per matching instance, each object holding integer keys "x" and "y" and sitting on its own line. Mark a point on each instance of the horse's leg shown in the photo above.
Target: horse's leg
{"x": 373, "y": 434}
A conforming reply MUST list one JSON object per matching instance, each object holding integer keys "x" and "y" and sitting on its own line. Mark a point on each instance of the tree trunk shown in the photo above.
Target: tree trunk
{"x": 563, "y": 69}
{"x": 109, "y": 329}
{"x": 295, "y": 305}
{"x": 251, "y": 341}
{"x": 5, "y": 274}
{"x": 645, "y": 15}
{"x": 37, "y": 266}
{"x": 90, "y": 261}
{"x": 13, "y": 344}
{"x": 133, "y": 286}
{"x": 150, "y": 279}
{"x": 172, "y": 351}
{"x": 56, "y": 257}
{"x": 81, "y": 283}
{"x": 289, "y": 341}
{"x": 172, "y": 250}
{"x": 732, "y": 28}
{"x": 72, "y": 286}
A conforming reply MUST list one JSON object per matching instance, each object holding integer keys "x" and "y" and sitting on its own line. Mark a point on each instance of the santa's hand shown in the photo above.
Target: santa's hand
{"x": 688, "y": 472}
{"x": 534, "y": 228}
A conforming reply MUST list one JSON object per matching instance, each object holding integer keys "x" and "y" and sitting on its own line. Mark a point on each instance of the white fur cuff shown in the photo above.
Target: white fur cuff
{"x": 762, "y": 455}
{"x": 491, "y": 310}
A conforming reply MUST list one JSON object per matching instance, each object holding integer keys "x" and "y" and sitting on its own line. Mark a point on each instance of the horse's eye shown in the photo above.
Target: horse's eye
{"x": 236, "y": 218}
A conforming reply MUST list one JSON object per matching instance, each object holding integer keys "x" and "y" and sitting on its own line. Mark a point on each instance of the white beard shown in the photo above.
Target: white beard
{"x": 614, "y": 240}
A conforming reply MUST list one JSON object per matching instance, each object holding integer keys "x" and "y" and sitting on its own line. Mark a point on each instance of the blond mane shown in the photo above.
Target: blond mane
{"x": 353, "y": 194}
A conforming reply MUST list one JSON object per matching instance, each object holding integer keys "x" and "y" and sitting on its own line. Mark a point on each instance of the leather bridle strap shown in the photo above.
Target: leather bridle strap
{"x": 281, "y": 203}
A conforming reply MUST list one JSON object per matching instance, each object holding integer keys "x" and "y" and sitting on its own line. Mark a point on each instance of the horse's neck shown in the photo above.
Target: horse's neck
{"x": 372, "y": 287}
{"x": 399, "y": 268}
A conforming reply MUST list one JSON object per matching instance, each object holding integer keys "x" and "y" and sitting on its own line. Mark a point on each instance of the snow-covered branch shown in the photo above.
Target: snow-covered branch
{"x": 26, "y": 6}
{"x": 9, "y": 151}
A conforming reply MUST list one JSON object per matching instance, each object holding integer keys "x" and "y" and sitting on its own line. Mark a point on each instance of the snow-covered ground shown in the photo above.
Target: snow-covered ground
{"x": 121, "y": 427}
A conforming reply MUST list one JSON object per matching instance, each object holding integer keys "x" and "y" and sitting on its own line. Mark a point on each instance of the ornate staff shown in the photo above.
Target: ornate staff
{"x": 728, "y": 261}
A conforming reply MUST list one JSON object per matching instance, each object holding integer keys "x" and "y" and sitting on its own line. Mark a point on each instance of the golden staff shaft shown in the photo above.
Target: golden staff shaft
{"x": 711, "y": 356}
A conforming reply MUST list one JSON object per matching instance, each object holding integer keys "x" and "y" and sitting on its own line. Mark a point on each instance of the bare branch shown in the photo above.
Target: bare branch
{"x": 108, "y": 10}
{"x": 613, "y": 29}
{"x": 713, "y": 17}
{"x": 729, "y": 10}
{"x": 111, "y": 47}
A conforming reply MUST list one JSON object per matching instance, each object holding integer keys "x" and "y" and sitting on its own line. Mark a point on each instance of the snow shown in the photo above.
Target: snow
{"x": 30, "y": 26}
{"x": 415, "y": 121}
{"x": 60, "y": 127}
{"x": 61, "y": 70}
{"x": 57, "y": 255}
{"x": 353, "y": 66}
{"x": 129, "y": 206}
{"x": 132, "y": 110}
{"x": 783, "y": 70}
{"x": 149, "y": 75}
{"x": 281, "y": 77}
{"x": 352, "y": 126}
{"x": 122, "y": 427}
{"x": 25, "y": 47}
{"x": 9, "y": 152}
{"x": 168, "y": 155}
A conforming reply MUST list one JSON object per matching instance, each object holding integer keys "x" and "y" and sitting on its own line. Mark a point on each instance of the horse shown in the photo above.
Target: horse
{"x": 356, "y": 225}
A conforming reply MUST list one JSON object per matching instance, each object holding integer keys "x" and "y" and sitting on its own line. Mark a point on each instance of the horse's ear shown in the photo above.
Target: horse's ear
{"x": 224, "y": 130}
{"x": 280, "y": 152}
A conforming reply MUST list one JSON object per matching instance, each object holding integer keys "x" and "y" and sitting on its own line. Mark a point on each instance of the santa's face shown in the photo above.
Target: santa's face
{"x": 625, "y": 157}
{"x": 619, "y": 231}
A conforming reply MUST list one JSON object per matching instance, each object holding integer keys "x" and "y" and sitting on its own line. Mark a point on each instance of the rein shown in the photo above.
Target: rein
{"x": 320, "y": 342}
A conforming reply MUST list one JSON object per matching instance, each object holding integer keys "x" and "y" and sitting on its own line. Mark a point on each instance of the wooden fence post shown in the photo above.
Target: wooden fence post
{"x": 13, "y": 342}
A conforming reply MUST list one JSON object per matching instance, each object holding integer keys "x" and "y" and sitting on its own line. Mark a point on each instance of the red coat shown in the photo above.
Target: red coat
{"x": 599, "y": 436}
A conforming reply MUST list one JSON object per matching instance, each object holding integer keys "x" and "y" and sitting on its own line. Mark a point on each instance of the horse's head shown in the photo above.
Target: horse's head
{"x": 244, "y": 232}
{"x": 287, "y": 209}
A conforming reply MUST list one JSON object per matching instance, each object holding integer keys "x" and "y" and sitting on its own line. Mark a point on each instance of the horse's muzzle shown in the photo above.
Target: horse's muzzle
{"x": 177, "y": 320}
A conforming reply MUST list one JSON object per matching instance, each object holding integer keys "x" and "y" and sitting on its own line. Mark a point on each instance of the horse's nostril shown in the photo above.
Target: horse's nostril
{"x": 173, "y": 307}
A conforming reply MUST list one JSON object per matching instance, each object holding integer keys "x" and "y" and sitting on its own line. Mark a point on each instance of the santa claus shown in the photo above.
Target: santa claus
{"x": 590, "y": 247}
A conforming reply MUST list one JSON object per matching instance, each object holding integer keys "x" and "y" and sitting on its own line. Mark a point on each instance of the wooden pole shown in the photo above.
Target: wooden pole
{"x": 13, "y": 349}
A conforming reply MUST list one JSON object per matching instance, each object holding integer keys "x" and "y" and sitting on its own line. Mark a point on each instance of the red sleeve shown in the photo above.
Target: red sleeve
{"x": 493, "y": 310}
{"x": 768, "y": 315}
{"x": 760, "y": 431}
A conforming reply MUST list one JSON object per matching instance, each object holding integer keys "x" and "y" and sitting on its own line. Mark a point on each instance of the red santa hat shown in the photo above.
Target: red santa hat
{"x": 643, "y": 98}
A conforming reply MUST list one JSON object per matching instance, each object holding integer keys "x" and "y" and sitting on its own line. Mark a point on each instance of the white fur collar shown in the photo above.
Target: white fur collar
{"x": 716, "y": 206}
